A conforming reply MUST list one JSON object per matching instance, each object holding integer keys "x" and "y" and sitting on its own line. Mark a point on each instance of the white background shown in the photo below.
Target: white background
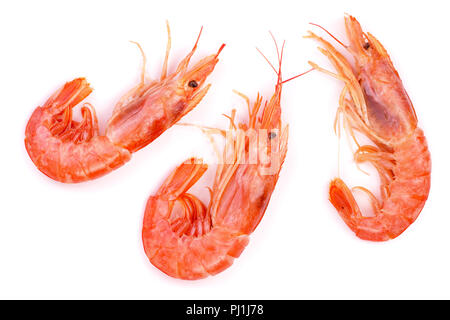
{"x": 84, "y": 241}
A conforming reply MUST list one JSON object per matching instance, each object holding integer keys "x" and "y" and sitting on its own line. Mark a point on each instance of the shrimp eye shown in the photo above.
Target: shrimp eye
{"x": 366, "y": 45}
{"x": 272, "y": 135}
{"x": 193, "y": 84}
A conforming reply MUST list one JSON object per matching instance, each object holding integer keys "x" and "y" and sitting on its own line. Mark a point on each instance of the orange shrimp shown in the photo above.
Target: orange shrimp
{"x": 70, "y": 151}
{"x": 375, "y": 103}
{"x": 186, "y": 239}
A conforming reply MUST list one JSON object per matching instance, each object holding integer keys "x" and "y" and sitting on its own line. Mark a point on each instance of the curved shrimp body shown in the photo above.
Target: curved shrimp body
{"x": 70, "y": 151}
{"x": 375, "y": 103}
{"x": 179, "y": 236}
{"x": 66, "y": 150}
{"x": 186, "y": 239}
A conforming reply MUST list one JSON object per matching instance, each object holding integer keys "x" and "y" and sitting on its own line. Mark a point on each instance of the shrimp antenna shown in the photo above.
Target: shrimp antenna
{"x": 271, "y": 65}
{"x": 330, "y": 34}
{"x": 166, "y": 58}
{"x": 276, "y": 46}
{"x": 220, "y": 49}
{"x": 280, "y": 60}
{"x": 299, "y": 75}
{"x": 198, "y": 38}
{"x": 182, "y": 67}
{"x": 279, "y": 55}
{"x": 144, "y": 62}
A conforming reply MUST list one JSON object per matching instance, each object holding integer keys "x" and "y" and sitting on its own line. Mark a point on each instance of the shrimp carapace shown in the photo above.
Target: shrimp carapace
{"x": 70, "y": 151}
{"x": 375, "y": 103}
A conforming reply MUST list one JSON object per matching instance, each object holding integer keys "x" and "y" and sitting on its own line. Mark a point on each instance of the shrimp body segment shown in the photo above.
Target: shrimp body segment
{"x": 186, "y": 239}
{"x": 70, "y": 151}
{"x": 375, "y": 103}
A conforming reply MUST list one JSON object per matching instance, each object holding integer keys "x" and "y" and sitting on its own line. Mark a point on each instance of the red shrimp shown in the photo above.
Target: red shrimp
{"x": 70, "y": 151}
{"x": 187, "y": 239}
{"x": 375, "y": 103}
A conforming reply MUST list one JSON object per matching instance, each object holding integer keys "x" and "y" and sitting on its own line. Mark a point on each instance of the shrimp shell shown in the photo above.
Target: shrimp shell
{"x": 186, "y": 239}
{"x": 375, "y": 103}
{"x": 69, "y": 151}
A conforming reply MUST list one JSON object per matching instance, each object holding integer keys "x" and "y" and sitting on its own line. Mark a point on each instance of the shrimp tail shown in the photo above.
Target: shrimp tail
{"x": 368, "y": 228}
{"x": 182, "y": 178}
{"x": 67, "y": 150}
{"x": 343, "y": 200}
{"x": 68, "y": 96}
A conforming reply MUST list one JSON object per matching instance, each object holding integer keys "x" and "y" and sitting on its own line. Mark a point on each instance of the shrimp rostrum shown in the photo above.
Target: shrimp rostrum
{"x": 73, "y": 151}
{"x": 187, "y": 239}
{"x": 375, "y": 103}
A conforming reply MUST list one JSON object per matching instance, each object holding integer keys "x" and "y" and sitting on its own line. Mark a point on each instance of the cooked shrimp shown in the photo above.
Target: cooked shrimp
{"x": 70, "y": 151}
{"x": 375, "y": 103}
{"x": 186, "y": 239}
